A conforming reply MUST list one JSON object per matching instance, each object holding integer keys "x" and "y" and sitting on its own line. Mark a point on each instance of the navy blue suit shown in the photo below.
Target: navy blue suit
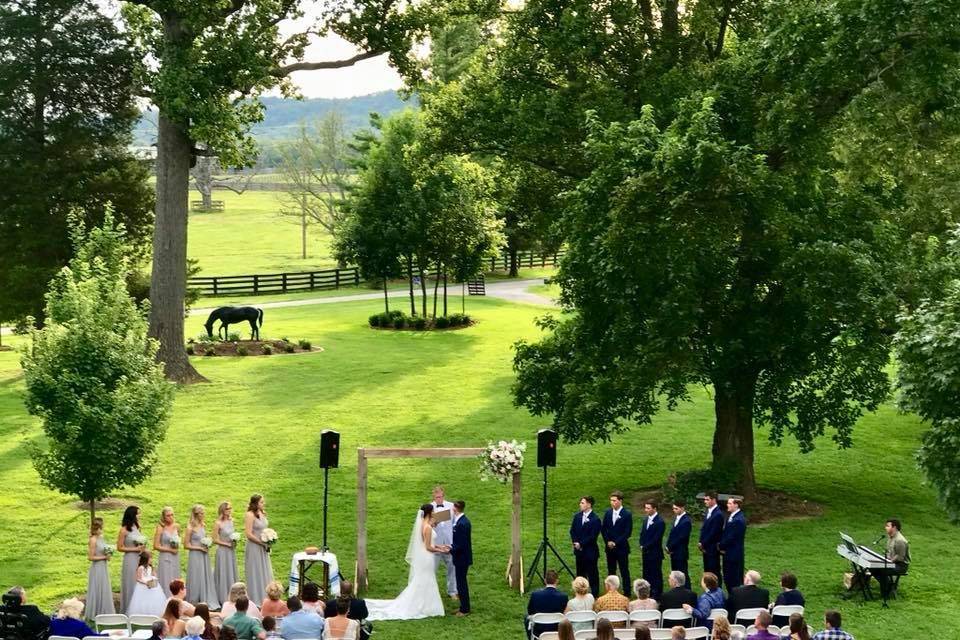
{"x": 678, "y": 544}
{"x": 710, "y": 534}
{"x": 732, "y": 546}
{"x": 619, "y": 534}
{"x": 651, "y": 545}
{"x": 546, "y": 600}
{"x": 462, "y": 553}
{"x": 588, "y": 555}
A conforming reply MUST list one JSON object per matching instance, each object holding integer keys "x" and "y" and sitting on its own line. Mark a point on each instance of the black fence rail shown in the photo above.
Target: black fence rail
{"x": 528, "y": 259}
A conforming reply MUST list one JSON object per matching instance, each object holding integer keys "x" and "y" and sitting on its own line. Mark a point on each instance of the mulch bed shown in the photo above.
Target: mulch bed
{"x": 430, "y": 327}
{"x": 252, "y": 347}
{"x": 6, "y": 348}
{"x": 769, "y": 506}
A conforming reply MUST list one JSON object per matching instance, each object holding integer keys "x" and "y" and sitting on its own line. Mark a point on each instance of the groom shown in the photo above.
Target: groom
{"x": 462, "y": 553}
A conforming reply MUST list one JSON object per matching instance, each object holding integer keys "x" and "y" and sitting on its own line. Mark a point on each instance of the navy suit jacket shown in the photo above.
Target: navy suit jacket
{"x": 618, "y": 533}
{"x": 586, "y": 535}
{"x": 546, "y": 600}
{"x": 711, "y": 531}
{"x": 651, "y": 537}
{"x": 678, "y": 542}
{"x": 462, "y": 549}
{"x": 734, "y": 532}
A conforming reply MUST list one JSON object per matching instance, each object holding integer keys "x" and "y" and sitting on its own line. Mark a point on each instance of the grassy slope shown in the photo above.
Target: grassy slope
{"x": 256, "y": 426}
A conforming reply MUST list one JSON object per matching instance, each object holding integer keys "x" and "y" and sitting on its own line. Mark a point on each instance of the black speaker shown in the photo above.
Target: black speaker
{"x": 546, "y": 448}
{"x": 329, "y": 449}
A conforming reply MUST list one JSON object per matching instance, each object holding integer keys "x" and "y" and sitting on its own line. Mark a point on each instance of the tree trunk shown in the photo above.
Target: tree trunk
{"x": 93, "y": 511}
{"x": 386, "y": 300}
{"x": 413, "y": 305}
{"x": 168, "y": 280}
{"x": 733, "y": 434}
{"x": 303, "y": 227}
{"x": 207, "y": 197}
{"x": 512, "y": 251}
{"x": 436, "y": 287}
{"x": 423, "y": 291}
{"x": 445, "y": 291}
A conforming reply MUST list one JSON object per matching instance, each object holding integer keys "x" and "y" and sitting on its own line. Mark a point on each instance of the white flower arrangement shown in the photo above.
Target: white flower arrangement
{"x": 268, "y": 537}
{"x": 109, "y": 550}
{"x": 174, "y": 541}
{"x": 235, "y": 537}
{"x": 501, "y": 460}
{"x": 138, "y": 539}
{"x": 206, "y": 541}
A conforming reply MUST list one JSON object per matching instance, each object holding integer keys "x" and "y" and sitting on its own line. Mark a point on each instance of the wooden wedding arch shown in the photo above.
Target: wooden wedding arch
{"x": 514, "y": 573}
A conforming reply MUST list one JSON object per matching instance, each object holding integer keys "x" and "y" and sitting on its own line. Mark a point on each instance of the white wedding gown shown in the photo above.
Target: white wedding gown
{"x": 421, "y": 598}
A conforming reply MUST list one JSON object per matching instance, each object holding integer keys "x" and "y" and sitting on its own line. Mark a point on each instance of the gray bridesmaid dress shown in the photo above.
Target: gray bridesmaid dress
{"x": 99, "y": 593}
{"x": 200, "y": 586}
{"x": 128, "y": 571}
{"x": 226, "y": 572}
{"x": 168, "y": 564}
{"x": 256, "y": 562}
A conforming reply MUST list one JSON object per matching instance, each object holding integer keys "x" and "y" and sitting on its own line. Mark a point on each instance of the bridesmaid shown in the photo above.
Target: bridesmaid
{"x": 256, "y": 560}
{"x": 226, "y": 571}
{"x": 126, "y": 544}
{"x": 99, "y": 593}
{"x": 168, "y": 552}
{"x": 200, "y": 587}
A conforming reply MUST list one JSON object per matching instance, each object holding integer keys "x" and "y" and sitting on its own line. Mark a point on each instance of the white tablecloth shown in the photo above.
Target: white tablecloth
{"x": 328, "y": 558}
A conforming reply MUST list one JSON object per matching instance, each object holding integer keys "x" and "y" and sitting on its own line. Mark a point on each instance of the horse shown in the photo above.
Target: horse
{"x": 232, "y": 315}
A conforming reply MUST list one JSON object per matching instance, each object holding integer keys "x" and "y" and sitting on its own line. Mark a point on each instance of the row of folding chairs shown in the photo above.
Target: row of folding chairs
{"x": 693, "y": 633}
{"x": 746, "y": 617}
{"x": 131, "y": 624}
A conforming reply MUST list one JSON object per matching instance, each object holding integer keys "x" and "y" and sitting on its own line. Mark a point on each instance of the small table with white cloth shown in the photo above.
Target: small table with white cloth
{"x": 301, "y": 564}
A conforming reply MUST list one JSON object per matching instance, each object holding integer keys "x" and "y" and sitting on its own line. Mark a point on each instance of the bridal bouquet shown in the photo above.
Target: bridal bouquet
{"x": 206, "y": 541}
{"x": 174, "y": 541}
{"x": 109, "y": 550}
{"x": 138, "y": 539}
{"x": 269, "y": 538}
{"x": 235, "y": 537}
{"x": 502, "y": 460}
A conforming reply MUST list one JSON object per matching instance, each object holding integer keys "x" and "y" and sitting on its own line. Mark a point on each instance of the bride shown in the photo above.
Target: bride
{"x": 421, "y": 598}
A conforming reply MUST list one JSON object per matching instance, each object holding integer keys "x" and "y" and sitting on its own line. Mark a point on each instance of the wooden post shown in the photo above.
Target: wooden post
{"x": 256, "y": 284}
{"x": 362, "y": 578}
{"x": 336, "y": 276}
{"x": 214, "y": 285}
{"x": 515, "y": 568}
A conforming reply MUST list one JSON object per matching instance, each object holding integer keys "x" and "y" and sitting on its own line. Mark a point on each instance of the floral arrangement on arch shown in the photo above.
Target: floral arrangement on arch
{"x": 501, "y": 460}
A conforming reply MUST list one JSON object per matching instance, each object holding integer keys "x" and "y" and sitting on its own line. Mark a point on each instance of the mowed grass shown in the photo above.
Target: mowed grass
{"x": 255, "y": 428}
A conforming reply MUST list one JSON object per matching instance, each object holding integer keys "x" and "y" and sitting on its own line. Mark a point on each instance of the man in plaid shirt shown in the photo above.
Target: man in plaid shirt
{"x": 833, "y": 630}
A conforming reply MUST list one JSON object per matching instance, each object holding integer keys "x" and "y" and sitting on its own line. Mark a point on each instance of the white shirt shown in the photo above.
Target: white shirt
{"x": 586, "y": 516}
{"x": 650, "y": 520}
{"x": 730, "y": 517}
{"x": 444, "y": 529}
{"x": 679, "y": 516}
{"x": 616, "y": 515}
{"x": 710, "y": 511}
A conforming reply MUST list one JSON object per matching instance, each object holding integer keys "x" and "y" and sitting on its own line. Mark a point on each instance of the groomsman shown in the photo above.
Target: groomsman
{"x": 732, "y": 545}
{"x": 710, "y": 534}
{"x": 616, "y": 529}
{"x": 651, "y": 545}
{"x": 583, "y": 534}
{"x": 678, "y": 542}
{"x": 444, "y": 536}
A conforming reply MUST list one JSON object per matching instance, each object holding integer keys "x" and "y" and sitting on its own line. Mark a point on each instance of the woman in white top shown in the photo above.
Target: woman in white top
{"x": 238, "y": 589}
{"x": 582, "y": 600}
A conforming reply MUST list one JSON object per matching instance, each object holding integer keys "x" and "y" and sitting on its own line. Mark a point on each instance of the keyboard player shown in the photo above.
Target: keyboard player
{"x": 898, "y": 554}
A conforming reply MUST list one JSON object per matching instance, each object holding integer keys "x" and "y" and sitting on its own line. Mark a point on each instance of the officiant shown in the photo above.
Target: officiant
{"x": 444, "y": 536}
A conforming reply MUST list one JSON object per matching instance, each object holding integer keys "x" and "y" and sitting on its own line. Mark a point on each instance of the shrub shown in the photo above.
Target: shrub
{"x": 288, "y": 347}
{"x": 374, "y": 320}
{"x": 233, "y": 336}
{"x": 441, "y": 322}
{"x": 190, "y": 349}
{"x": 210, "y": 351}
{"x": 399, "y": 322}
{"x": 267, "y": 349}
{"x": 23, "y": 325}
{"x": 242, "y": 351}
{"x": 458, "y": 320}
{"x": 396, "y": 313}
{"x": 203, "y": 337}
{"x": 305, "y": 345}
{"x": 419, "y": 324}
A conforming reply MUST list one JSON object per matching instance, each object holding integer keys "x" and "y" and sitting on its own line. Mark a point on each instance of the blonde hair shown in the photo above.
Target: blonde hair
{"x": 163, "y": 515}
{"x": 237, "y": 589}
{"x": 70, "y": 608}
{"x": 196, "y": 515}
{"x": 274, "y": 590}
{"x": 96, "y": 526}
{"x": 580, "y": 586}
{"x": 222, "y": 509}
{"x": 195, "y": 626}
{"x": 721, "y": 628}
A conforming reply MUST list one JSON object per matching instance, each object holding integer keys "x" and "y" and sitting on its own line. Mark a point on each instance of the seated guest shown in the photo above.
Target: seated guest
{"x": 642, "y": 633}
{"x": 798, "y": 628}
{"x": 301, "y": 623}
{"x": 565, "y": 628}
{"x": 341, "y": 625}
{"x": 171, "y": 615}
{"x": 246, "y": 628}
{"x": 178, "y": 589}
{"x": 788, "y": 596}
{"x": 238, "y": 589}
{"x": 722, "y": 630}
{"x": 678, "y": 633}
{"x": 762, "y": 622}
{"x": 226, "y": 633}
{"x": 310, "y": 597}
{"x": 604, "y": 630}
{"x": 582, "y": 600}
{"x": 194, "y": 627}
{"x": 643, "y": 602}
{"x": 210, "y": 632}
{"x": 37, "y": 625}
{"x": 678, "y": 594}
{"x": 69, "y": 621}
{"x": 546, "y": 600}
{"x": 272, "y": 604}
{"x": 831, "y": 620}
{"x": 748, "y": 596}
{"x": 612, "y": 599}
{"x": 158, "y": 630}
{"x": 711, "y": 598}
{"x": 270, "y": 627}
{"x": 358, "y": 609}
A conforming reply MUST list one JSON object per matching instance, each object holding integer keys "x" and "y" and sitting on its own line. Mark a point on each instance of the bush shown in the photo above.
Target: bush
{"x": 420, "y": 324}
{"x": 242, "y": 351}
{"x": 203, "y": 337}
{"x": 441, "y": 322}
{"x": 267, "y": 349}
{"x": 233, "y": 336}
{"x": 210, "y": 351}
{"x": 288, "y": 347}
{"x": 374, "y": 320}
{"x": 305, "y": 345}
{"x": 22, "y": 326}
{"x": 399, "y": 322}
{"x": 686, "y": 485}
{"x": 190, "y": 349}
{"x": 396, "y": 313}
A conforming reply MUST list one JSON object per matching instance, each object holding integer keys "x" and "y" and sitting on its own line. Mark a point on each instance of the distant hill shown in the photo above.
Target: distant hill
{"x": 283, "y": 115}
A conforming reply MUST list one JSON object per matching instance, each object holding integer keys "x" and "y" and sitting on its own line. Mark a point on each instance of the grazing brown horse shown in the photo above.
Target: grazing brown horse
{"x": 232, "y": 315}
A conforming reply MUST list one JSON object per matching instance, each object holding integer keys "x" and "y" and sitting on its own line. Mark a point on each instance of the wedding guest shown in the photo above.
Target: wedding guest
{"x": 643, "y": 602}
{"x": 732, "y": 543}
{"x": 642, "y": 633}
{"x": 358, "y": 609}
{"x": 341, "y": 625}
{"x": 178, "y": 590}
{"x": 171, "y": 616}
{"x": 99, "y": 592}
{"x": 762, "y": 623}
{"x": 158, "y": 630}
{"x": 193, "y": 628}
{"x": 678, "y": 542}
{"x": 832, "y": 620}
{"x": 788, "y": 596}
{"x": 565, "y": 630}
{"x": 310, "y": 598}
{"x": 678, "y": 633}
{"x": 147, "y": 598}
{"x": 200, "y": 585}
{"x": 546, "y": 600}
{"x": 166, "y": 544}
{"x": 651, "y": 548}
{"x": 202, "y": 611}
{"x": 584, "y": 530}
{"x": 272, "y": 604}
{"x": 69, "y": 621}
{"x": 129, "y": 543}
{"x": 721, "y": 629}
{"x": 270, "y": 627}
{"x": 582, "y": 600}
{"x": 238, "y": 589}
{"x": 711, "y": 598}
{"x": 616, "y": 529}
{"x": 605, "y": 630}
{"x": 36, "y": 624}
{"x": 226, "y": 568}
{"x": 258, "y": 571}
{"x": 227, "y": 633}
{"x": 301, "y": 623}
{"x": 798, "y": 628}
{"x": 748, "y": 596}
{"x": 710, "y": 533}
{"x": 612, "y": 600}
{"x": 247, "y": 628}
{"x": 677, "y": 595}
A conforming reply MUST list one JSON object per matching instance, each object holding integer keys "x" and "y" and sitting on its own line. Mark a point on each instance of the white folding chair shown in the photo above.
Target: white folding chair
{"x": 748, "y": 615}
{"x": 716, "y": 613}
{"x": 698, "y": 633}
{"x": 738, "y": 628}
{"x": 645, "y": 617}
{"x": 775, "y": 630}
{"x": 142, "y": 622}
{"x": 625, "y": 634}
{"x": 752, "y": 629}
{"x": 585, "y": 634}
{"x": 550, "y": 635}
{"x": 614, "y": 616}
{"x": 659, "y": 634}
{"x": 674, "y": 617}
{"x": 783, "y": 612}
{"x": 581, "y": 617}
{"x": 62, "y": 638}
{"x": 111, "y": 621}
{"x": 543, "y": 618}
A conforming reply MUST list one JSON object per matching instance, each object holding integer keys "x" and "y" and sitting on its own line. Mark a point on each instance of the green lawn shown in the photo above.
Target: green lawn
{"x": 255, "y": 428}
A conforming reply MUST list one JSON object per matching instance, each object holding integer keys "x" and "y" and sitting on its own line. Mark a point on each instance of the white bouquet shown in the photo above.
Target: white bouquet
{"x": 502, "y": 460}
{"x": 206, "y": 541}
{"x": 109, "y": 550}
{"x": 174, "y": 540}
{"x": 268, "y": 537}
{"x": 235, "y": 537}
{"x": 138, "y": 539}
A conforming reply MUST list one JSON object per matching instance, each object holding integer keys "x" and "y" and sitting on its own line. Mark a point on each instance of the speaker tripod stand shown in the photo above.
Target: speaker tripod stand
{"x": 546, "y": 547}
